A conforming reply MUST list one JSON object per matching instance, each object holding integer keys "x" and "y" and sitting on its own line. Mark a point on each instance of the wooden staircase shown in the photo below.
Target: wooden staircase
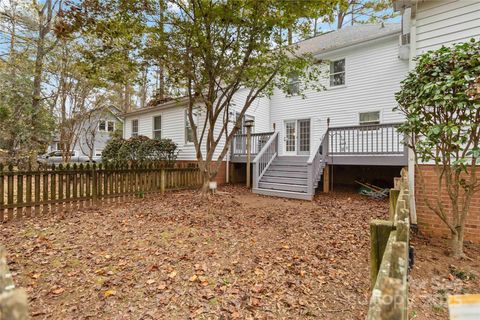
{"x": 298, "y": 176}
{"x": 286, "y": 177}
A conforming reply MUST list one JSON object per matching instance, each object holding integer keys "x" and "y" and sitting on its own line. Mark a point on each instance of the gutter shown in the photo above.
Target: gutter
{"x": 358, "y": 44}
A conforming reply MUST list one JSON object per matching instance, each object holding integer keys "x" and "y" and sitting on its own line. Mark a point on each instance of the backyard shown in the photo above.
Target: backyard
{"x": 232, "y": 256}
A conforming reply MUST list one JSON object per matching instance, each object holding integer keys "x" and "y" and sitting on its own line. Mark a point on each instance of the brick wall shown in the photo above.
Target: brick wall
{"x": 428, "y": 222}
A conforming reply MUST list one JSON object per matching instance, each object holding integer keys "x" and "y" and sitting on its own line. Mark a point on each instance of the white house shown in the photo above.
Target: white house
{"x": 351, "y": 122}
{"x": 363, "y": 72}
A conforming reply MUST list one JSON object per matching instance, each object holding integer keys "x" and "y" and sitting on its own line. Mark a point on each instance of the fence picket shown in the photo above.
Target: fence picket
{"x": 28, "y": 195}
{"x": 20, "y": 196}
{"x": 58, "y": 189}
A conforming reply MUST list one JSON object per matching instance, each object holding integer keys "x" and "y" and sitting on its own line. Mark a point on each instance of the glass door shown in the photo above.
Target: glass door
{"x": 304, "y": 137}
{"x": 290, "y": 137}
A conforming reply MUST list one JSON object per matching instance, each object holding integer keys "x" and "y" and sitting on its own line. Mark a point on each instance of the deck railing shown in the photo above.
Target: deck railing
{"x": 375, "y": 139}
{"x": 315, "y": 164}
{"x": 264, "y": 158}
{"x": 258, "y": 141}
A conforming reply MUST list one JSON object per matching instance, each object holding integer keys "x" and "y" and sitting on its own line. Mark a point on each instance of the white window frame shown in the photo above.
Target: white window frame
{"x": 188, "y": 127}
{"x": 370, "y": 123}
{"x": 161, "y": 126}
{"x": 334, "y": 73}
{"x": 106, "y": 125}
{"x": 100, "y": 125}
{"x": 293, "y": 83}
{"x": 135, "y": 134}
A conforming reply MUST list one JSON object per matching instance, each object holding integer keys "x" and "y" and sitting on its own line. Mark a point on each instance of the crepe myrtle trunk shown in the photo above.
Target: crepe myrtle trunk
{"x": 457, "y": 241}
{"x": 209, "y": 172}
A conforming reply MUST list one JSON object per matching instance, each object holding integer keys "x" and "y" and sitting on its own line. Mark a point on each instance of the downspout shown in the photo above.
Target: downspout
{"x": 411, "y": 155}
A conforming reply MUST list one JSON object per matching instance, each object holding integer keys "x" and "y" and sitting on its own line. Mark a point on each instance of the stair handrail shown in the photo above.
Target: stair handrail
{"x": 264, "y": 158}
{"x": 315, "y": 162}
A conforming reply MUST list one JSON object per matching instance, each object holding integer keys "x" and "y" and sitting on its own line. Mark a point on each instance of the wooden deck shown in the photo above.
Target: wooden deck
{"x": 298, "y": 176}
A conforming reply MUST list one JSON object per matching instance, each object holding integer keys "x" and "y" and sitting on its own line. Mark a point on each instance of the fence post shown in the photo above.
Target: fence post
{"x": 94, "y": 183}
{"x": 379, "y": 234}
{"x": 393, "y": 197}
{"x": 162, "y": 181}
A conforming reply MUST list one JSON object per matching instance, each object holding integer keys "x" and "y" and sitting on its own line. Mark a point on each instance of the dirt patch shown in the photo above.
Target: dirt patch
{"x": 435, "y": 275}
{"x": 236, "y": 255}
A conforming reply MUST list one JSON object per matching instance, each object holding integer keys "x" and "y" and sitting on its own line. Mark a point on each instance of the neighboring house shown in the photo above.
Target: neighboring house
{"x": 428, "y": 25}
{"x": 94, "y": 132}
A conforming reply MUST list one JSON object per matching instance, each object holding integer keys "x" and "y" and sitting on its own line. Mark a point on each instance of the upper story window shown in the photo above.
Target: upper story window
{"x": 157, "y": 127}
{"x": 369, "y": 118}
{"x": 106, "y": 125}
{"x": 337, "y": 73}
{"x": 135, "y": 128}
{"x": 293, "y": 85}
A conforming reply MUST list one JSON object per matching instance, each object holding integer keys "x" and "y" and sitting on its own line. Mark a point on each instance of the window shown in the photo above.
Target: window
{"x": 337, "y": 73}
{"x": 110, "y": 126}
{"x": 293, "y": 85}
{"x": 134, "y": 128}
{"x": 188, "y": 128}
{"x": 98, "y": 153}
{"x": 102, "y": 125}
{"x": 367, "y": 118}
{"x": 106, "y": 125}
{"x": 157, "y": 127}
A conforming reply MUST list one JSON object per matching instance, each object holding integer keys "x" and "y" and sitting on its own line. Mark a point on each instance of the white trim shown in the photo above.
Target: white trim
{"x": 161, "y": 125}
{"x": 131, "y": 127}
{"x": 345, "y": 84}
{"x": 380, "y": 116}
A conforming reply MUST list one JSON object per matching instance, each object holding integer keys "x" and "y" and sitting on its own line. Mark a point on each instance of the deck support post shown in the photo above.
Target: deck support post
{"x": 326, "y": 178}
{"x": 249, "y": 125}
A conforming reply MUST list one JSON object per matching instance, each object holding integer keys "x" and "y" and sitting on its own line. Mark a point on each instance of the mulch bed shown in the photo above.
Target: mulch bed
{"x": 232, "y": 256}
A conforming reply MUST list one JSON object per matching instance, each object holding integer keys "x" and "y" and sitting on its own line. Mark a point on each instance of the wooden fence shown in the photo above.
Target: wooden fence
{"x": 390, "y": 257}
{"x": 55, "y": 189}
{"x": 13, "y": 301}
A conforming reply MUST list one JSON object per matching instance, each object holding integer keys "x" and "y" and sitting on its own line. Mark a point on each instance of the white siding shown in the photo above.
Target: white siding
{"x": 446, "y": 22}
{"x": 173, "y": 124}
{"x": 373, "y": 75}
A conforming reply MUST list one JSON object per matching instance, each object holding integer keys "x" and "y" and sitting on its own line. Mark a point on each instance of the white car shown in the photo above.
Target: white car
{"x": 55, "y": 157}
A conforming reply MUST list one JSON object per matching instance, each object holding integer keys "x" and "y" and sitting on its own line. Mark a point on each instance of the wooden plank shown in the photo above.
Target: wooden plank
{"x": 10, "y": 195}
{"x": 61, "y": 192}
{"x": 2, "y": 194}
{"x": 45, "y": 208}
{"x": 53, "y": 190}
{"x": 20, "y": 202}
{"x": 37, "y": 192}
{"x": 28, "y": 195}
{"x": 379, "y": 233}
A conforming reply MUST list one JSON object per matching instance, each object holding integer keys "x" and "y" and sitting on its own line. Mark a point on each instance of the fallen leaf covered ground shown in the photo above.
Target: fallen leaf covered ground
{"x": 436, "y": 275}
{"x": 232, "y": 256}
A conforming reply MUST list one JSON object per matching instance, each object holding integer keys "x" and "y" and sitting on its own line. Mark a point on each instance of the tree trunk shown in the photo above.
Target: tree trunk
{"x": 457, "y": 242}
{"x": 208, "y": 175}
